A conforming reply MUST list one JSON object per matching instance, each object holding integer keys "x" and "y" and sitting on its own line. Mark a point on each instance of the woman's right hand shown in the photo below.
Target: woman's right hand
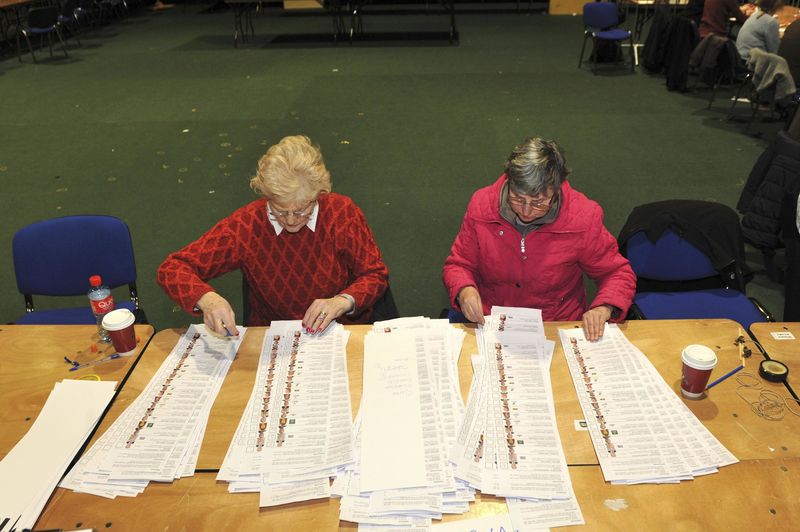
{"x": 471, "y": 306}
{"x": 218, "y": 315}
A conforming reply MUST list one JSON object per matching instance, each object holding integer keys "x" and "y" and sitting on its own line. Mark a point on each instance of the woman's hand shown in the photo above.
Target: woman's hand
{"x": 471, "y": 306}
{"x": 217, "y": 314}
{"x": 594, "y": 322}
{"x": 323, "y": 311}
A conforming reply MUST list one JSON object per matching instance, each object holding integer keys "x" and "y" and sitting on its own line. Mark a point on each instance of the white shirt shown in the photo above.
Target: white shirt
{"x": 311, "y": 223}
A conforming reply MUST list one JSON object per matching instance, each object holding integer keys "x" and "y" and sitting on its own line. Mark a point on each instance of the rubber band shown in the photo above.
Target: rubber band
{"x": 91, "y": 377}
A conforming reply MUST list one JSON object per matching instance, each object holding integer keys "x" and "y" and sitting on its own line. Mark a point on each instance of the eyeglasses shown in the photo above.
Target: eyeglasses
{"x": 533, "y": 204}
{"x": 283, "y": 215}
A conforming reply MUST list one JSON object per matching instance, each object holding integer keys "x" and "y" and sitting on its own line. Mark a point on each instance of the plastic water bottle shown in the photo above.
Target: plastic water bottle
{"x": 102, "y": 302}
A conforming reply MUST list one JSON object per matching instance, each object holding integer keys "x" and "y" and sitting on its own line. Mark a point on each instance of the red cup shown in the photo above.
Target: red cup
{"x": 119, "y": 325}
{"x": 698, "y": 362}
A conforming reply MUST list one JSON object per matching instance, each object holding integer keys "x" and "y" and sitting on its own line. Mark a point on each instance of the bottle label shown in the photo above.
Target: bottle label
{"x": 102, "y": 306}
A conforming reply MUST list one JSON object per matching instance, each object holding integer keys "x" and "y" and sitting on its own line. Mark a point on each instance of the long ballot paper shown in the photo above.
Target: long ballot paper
{"x": 296, "y": 430}
{"x": 157, "y": 438}
{"x": 31, "y": 470}
{"x": 509, "y": 443}
{"x": 641, "y": 430}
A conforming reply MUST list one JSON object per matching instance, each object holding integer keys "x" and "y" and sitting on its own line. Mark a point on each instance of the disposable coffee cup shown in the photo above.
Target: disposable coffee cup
{"x": 119, "y": 325}
{"x": 698, "y": 362}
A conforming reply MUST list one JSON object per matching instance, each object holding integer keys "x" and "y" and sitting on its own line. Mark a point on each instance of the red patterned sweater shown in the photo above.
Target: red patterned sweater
{"x": 286, "y": 272}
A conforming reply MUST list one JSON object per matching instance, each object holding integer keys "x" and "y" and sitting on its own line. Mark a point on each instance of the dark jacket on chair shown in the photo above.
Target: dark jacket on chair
{"x": 775, "y": 172}
{"x": 712, "y": 228}
{"x": 682, "y": 35}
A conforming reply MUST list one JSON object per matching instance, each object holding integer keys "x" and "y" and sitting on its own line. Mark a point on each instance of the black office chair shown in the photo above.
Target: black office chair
{"x": 56, "y": 257}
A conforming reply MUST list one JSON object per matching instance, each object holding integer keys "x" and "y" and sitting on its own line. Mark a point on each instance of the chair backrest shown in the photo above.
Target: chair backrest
{"x": 56, "y": 257}
{"x": 670, "y": 258}
{"x": 68, "y": 8}
{"x": 600, "y": 15}
{"x": 42, "y": 17}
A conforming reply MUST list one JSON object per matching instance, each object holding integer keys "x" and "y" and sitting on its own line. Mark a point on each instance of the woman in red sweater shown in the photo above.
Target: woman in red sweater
{"x": 306, "y": 252}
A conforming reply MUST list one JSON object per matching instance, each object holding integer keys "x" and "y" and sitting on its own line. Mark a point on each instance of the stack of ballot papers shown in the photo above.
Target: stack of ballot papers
{"x": 508, "y": 444}
{"x": 296, "y": 432}
{"x": 158, "y": 437}
{"x": 410, "y": 411}
{"x": 641, "y": 430}
{"x": 31, "y": 470}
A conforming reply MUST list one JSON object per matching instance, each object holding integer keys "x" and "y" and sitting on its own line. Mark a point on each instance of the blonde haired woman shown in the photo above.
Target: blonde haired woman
{"x": 305, "y": 252}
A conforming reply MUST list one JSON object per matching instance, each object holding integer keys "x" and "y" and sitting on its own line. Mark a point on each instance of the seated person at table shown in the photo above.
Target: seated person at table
{"x": 760, "y": 30}
{"x": 306, "y": 252}
{"x": 527, "y": 240}
{"x": 716, "y": 14}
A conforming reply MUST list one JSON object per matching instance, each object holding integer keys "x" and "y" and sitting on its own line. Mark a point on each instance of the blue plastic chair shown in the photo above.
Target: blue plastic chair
{"x": 56, "y": 258}
{"x": 42, "y": 21}
{"x": 672, "y": 259}
{"x": 600, "y": 20}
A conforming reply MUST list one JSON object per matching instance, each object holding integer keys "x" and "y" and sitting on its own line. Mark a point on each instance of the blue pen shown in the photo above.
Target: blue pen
{"x": 731, "y": 372}
{"x": 95, "y": 362}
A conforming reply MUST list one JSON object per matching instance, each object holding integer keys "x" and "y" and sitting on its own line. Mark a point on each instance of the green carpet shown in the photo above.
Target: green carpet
{"x": 157, "y": 119}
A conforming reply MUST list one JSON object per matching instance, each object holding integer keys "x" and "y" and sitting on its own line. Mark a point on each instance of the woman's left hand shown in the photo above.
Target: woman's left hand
{"x": 323, "y": 311}
{"x": 594, "y": 322}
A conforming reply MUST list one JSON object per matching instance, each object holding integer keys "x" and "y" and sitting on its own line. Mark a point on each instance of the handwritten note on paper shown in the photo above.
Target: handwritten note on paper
{"x": 392, "y": 451}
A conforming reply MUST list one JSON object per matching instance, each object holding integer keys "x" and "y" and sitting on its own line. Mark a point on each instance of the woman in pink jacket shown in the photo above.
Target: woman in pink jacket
{"x": 527, "y": 240}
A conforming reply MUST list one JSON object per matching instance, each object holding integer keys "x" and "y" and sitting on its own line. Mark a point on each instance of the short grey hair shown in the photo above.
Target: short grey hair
{"x": 536, "y": 165}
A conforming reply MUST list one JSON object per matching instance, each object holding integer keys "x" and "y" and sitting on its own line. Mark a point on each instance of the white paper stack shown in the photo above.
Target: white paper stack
{"x": 296, "y": 431}
{"x": 641, "y": 430}
{"x": 509, "y": 443}
{"x": 31, "y": 470}
{"x": 410, "y": 412}
{"x": 158, "y": 437}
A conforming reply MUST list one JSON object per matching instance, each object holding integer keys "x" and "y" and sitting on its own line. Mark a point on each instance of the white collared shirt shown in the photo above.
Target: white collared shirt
{"x": 311, "y": 223}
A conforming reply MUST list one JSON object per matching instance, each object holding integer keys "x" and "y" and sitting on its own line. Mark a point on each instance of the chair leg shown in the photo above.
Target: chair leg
{"x": 61, "y": 38}
{"x": 30, "y": 46}
{"x": 583, "y": 49}
{"x": 594, "y": 53}
{"x": 633, "y": 55}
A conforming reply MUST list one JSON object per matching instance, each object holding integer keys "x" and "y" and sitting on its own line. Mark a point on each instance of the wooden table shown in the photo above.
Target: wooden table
{"x": 754, "y": 494}
{"x": 32, "y": 361}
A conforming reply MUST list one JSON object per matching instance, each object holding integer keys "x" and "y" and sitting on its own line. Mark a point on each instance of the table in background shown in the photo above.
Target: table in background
{"x": 786, "y": 15}
{"x": 32, "y": 361}
{"x": 754, "y": 494}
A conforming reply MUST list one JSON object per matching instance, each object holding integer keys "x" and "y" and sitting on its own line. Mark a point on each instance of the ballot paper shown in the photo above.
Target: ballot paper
{"x": 410, "y": 412}
{"x": 296, "y": 430}
{"x": 157, "y": 437}
{"x": 509, "y": 443}
{"x": 641, "y": 430}
{"x": 31, "y": 470}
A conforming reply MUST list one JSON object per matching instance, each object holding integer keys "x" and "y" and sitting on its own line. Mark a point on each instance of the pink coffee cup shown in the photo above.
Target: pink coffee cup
{"x": 698, "y": 362}
{"x": 119, "y": 325}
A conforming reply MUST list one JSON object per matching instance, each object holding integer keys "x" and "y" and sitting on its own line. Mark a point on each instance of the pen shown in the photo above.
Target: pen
{"x": 731, "y": 372}
{"x": 94, "y": 362}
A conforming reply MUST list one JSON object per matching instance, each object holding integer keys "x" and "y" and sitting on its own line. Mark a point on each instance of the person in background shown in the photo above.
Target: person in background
{"x": 528, "y": 239}
{"x": 760, "y": 30}
{"x": 305, "y": 252}
{"x": 716, "y": 15}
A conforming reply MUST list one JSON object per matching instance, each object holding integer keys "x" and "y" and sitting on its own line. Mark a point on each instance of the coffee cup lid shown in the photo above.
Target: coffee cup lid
{"x": 699, "y": 356}
{"x": 118, "y": 319}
